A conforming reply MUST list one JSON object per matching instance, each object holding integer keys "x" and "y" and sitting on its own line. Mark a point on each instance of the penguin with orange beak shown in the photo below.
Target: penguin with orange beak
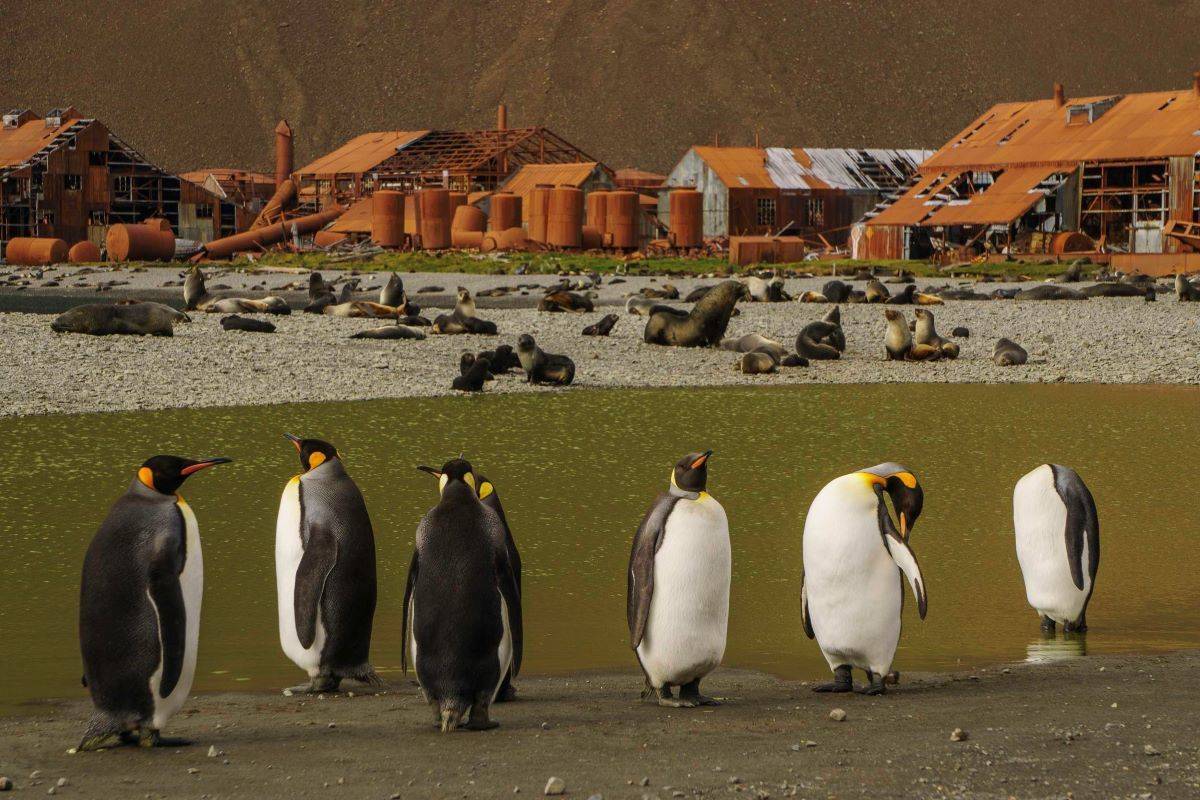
{"x": 139, "y": 607}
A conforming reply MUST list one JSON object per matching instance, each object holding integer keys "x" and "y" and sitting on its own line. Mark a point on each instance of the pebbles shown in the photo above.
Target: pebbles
{"x": 959, "y": 735}
{"x": 554, "y": 786}
{"x": 837, "y": 715}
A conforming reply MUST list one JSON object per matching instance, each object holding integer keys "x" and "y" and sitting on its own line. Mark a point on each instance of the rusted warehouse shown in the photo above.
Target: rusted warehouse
{"x": 66, "y": 176}
{"x": 1114, "y": 174}
{"x": 248, "y": 191}
{"x": 588, "y": 176}
{"x": 804, "y": 191}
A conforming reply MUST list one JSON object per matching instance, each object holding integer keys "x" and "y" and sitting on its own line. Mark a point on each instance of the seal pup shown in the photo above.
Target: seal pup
{"x": 677, "y": 593}
{"x": 1058, "y": 545}
{"x": 466, "y": 361}
{"x": 898, "y": 341}
{"x": 565, "y": 301}
{"x": 139, "y": 606}
{"x": 105, "y": 319}
{"x": 603, "y": 327}
{"x": 1007, "y": 353}
{"x": 461, "y": 617}
{"x": 852, "y": 591}
{"x": 325, "y": 571}
{"x": 927, "y": 334}
{"x": 542, "y": 367}
{"x": 236, "y": 323}
{"x": 503, "y": 359}
{"x": 961, "y": 333}
{"x": 474, "y": 373}
{"x": 753, "y": 341}
{"x": 876, "y": 292}
{"x": 811, "y": 342}
{"x": 758, "y": 362}
{"x": 703, "y": 326}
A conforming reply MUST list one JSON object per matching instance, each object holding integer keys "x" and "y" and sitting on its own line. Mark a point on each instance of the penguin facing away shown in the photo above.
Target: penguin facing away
{"x": 139, "y": 607}
{"x": 852, "y": 592}
{"x": 491, "y": 498}
{"x": 678, "y": 587}
{"x": 325, "y": 571}
{"x": 462, "y": 606}
{"x": 1058, "y": 545}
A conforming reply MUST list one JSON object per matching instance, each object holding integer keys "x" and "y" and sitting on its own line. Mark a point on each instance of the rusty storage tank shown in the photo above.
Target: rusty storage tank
{"x": 506, "y": 211}
{"x": 621, "y": 219}
{"x": 597, "y": 205}
{"x": 686, "y": 217}
{"x": 146, "y": 242}
{"x": 35, "y": 252}
{"x": 539, "y": 208}
{"x": 457, "y": 199}
{"x": 387, "y": 218}
{"x": 412, "y": 214}
{"x": 433, "y": 208}
{"x": 469, "y": 218}
{"x": 466, "y": 240}
{"x": 591, "y": 238}
{"x": 564, "y": 220}
{"x": 512, "y": 238}
{"x": 84, "y": 252}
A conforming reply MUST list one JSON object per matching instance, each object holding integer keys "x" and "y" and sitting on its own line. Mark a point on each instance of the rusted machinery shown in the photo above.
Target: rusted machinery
{"x": 506, "y": 212}
{"x": 283, "y": 152}
{"x": 433, "y": 207}
{"x": 539, "y": 209}
{"x": 564, "y": 218}
{"x": 686, "y": 228}
{"x": 282, "y": 201}
{"x": 84, "y": 252}
{"x": 29, "y": 251}
{"x": 149, "y": 241}
{"x": 261, "y": 238}
{"x": 621, "y": 220}
{"x": 387, "y": 218}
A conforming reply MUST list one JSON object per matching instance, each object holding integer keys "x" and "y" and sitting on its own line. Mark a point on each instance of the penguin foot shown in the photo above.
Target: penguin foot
{"x": 152, "y": 738}
{"x": 1047, "y": 626}
{"x": 480, "y": 725}
{"x": 842, "y": 682}
{"x": 663, "y": 697}
{"x": 892, "y": 677}
{"x": 479, "y": 719}
{"x": 877, "y": 685}
{"x": 690, "y": 693}
{"x": 507, "y": 694}
{"x": 1079, "y": 626}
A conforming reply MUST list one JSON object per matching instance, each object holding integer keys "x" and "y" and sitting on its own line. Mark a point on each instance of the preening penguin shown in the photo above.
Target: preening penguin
{"x": 853, "y": 593}
{"x": 139, "y": 606}
{"x": 678, "y": 587}
{"x": 325, "y": 571}
{"x": 491, "y": 498}
{"x": 462, "y": 605}
{"x": 1058, "y": 544}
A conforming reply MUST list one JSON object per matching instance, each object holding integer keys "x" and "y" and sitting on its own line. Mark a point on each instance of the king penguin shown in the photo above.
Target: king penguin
{"x": 462, "y": 607}
{"x": 325, "y": 571}
{"x": 852, "y": 592}
{"x": 677, "y": 599}
{"x": 491, "y": 498}
{"x": 1058, "y": 545}
{"x": 139, "y": 607}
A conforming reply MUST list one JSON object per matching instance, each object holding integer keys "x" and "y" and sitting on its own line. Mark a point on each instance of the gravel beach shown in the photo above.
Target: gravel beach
{"x": 1104, "y": 726}
{"x": 312, "y": 358}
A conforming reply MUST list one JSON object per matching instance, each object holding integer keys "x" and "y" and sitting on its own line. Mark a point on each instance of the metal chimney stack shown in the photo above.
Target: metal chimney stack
{"x": 1060, "y": 97}
{"x": 283, "y": 152}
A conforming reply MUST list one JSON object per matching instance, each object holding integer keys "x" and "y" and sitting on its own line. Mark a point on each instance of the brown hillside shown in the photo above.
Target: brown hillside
{"x": 633, "y": 82}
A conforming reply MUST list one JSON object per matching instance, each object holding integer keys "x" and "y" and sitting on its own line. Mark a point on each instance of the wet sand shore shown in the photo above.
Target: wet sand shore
{"x": 1103, "y": 726}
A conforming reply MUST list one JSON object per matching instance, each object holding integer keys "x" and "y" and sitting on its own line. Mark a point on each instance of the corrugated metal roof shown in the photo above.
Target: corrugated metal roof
{"x": 1008, "y": 197}
{"x": 918, "y": 202}
{"x": 362, "y": 153}
{"x": 18, "y": 145}
{"x": 1147, "y": 125}
{"x": 355, "y": 219}
{"x": 804, "y": 168}
{"x": 738, "y": 167}
{"x": 530, "y": 175}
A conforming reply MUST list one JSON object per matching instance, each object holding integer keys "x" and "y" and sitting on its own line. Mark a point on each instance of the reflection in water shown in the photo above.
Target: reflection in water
{"x": 578, "y": 470}
{"x": 1063, "y": 647}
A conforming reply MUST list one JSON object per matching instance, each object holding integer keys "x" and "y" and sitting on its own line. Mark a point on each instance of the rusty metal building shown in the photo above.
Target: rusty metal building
{"x": 66, "y": 176}
{"x": 1113, "y": 175}
{"x": 812, "y": 192}
{"x": 588, "y": 176}
{"x": 247, "y": 190}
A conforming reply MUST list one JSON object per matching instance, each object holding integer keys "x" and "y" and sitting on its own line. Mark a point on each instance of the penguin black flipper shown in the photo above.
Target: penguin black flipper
{"x": 509, "y": 590}
{"x": 1082, "y": 523}
{"x": 320, "y": 556}
{"x": 808, "y": 628}
{"x": 646, "y": 542}
{"x": 404, "y": 632}
{"x": 166, "y": 564}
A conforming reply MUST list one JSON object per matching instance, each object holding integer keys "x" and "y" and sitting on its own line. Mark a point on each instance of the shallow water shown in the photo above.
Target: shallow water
{"x": 577, "y": 470}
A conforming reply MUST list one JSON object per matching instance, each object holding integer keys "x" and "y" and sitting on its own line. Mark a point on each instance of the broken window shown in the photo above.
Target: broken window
{"x": 204, "y": 211}
{"x": 73, "y": 183}
{"x": 123, "y": 184}
{"x": 765, "y": 212}
{"x": 97, "y": 158}
{"x": 816, "y": 212}
{"x": 98, "y": 218}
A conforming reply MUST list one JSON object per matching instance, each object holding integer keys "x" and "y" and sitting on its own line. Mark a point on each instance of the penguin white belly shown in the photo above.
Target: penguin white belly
{"x": 852, "y": 584}
{"x": 289, "y": 550}
{"x": 191, "y": 581}
{"x": 1040, "y": 522}
{"x": 689, "y": 610}
{"x": 504, "y": 652}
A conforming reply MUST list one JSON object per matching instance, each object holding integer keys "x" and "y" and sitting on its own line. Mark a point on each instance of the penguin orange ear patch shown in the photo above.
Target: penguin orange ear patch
{"x": 315, "y": 459}
{"x": 485, "y": 489}
{"x": 146, "y": 476}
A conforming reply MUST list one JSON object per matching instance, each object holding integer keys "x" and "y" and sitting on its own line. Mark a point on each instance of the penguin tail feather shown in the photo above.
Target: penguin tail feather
{"x": 100, "y": 728}
{"x": 451, "y": 715}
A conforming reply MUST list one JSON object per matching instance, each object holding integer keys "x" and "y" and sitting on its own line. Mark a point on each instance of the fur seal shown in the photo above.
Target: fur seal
{"x": 104, "y": 319}
{"x": 666, "y": 292}
{"x": 318, "y": 290}
{"x": 1007, "y": 353}
{"x": 1048, "y": 291}
{"x": 836, "y": 337}
{"x": 811, "y": 342}
{"x": 397, "y": 331}
{"x": 764, "y": 290}
{"x": 703, "y": 326}
{"x": 1185, "y": 290}
{"x": 962, "y": 294}
{"x": 243, "y": 305}
{"x": 194, "y": 291}
{"x": 348, "y": 290}
{"x": 961, "y": 333}
{"x": 836, "y": 291}
{"x": 757, "y": 362}
{"x": 925, "y": 299}
{"x": 752, "y": 342}
{"x": 898, "y": 341}
{"x": 794, "y": 360}
{"x": 502, "y": 359}
{"x": 542, "y": 367}
{"x": 644, "y": 306}
{"x": 876, "y": 292}
{"x": 474, "y": 373}
{"x": 392, "y": 292}
{"x": 358, "y": 309}
{"x": 463, "y": 319}
{"x": 467, "y": 360}
{"x": 695, "y": 294}
{"x": 1110, "y": 289}
{"x": 813, "y": 297}
{"x": 603, "y": 327}
{"x": 927, "y": 334}
{"x": 236, "y": 323}
{"x": 905, "y": 298}
{"x": 566, "y": 301}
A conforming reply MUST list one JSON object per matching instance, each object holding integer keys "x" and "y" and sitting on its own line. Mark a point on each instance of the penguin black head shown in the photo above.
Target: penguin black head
{"x": 902, "y": 486}
{"x": 165, "y": 474}
{"x": 456, "y": 469}
{"x": 691, "y": 472}
{"x": 313, "y": 452}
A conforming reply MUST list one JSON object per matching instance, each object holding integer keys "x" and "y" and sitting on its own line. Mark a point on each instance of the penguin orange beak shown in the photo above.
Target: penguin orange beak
{"x": 199, "y": 465}
{"x": 296, "y": 440}
{"x": 699, "y": 462}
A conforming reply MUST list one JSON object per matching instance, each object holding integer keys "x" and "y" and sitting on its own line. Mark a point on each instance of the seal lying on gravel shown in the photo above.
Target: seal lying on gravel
{"x": 462, "y": 319}
{"x": 358, "y": 309}
{"x": 565, "y": 301}
{"x": 502, "y": 359}
{"x": 898, "y": 341}
{"x": 927, "y": 334}
{"x": 474, "y": 374}
{"x": 752, "y": 342}
{"x": 695, "y": 294}
{"x": 961, "y": 333}
{"x": 703, "y": 326}
{"x": 603, "y": 327}
{"x": 1109, "y": 289}
{"x": 962, "y": 294}
{"x": 836, "y": 291}
{"x": 644, "y": 306}
{"x": 104, "y": 319}
{"x": 836, "y": 337}
{"x": 196, "y": 297}
{"x": 812, "y": 297}
{"x": 811, "y": 342}
{"x": 1007, "y": 353}
{"x": 666, "y": 292}
{"x": 236, "y": 323}
{"x": 757, "y": 362}
{"x": 763, "y": 290}
{"x": 1185, "y": 290}
{"x": 876, "y": 292}
{"x": 542, "y": 367}
{"x": 397, "y": 331}
{"x": 1048, "y": 291}
{"x": 905, "y": 298}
